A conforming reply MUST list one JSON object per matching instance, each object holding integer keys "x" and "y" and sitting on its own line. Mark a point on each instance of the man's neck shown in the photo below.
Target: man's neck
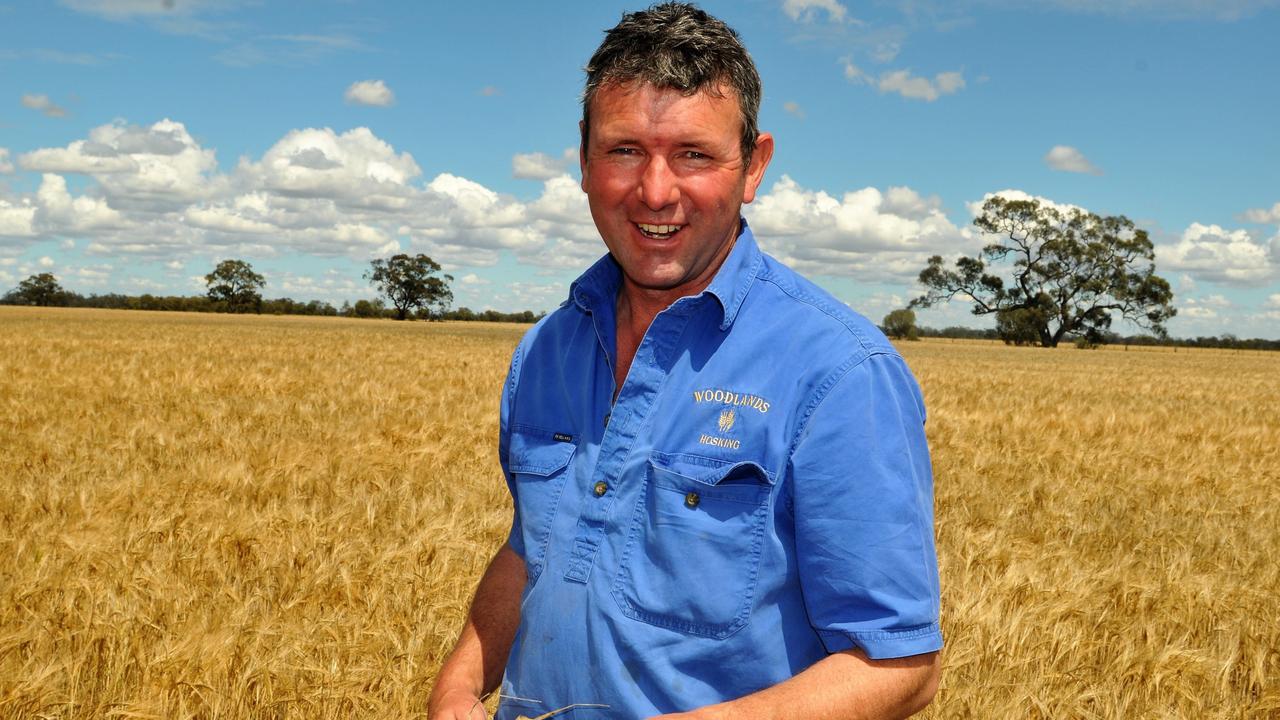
{"x": 636, "y": 307}
{"x": 634, "y": 311}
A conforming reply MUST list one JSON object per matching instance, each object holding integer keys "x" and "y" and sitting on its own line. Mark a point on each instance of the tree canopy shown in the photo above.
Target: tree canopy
{"x": 42, "y": 290}
{"x": 901, "y": 324}
{"x": 1071, "y": 272}
{"x": 411, "y": 282}
{"x": 234, "y": 283}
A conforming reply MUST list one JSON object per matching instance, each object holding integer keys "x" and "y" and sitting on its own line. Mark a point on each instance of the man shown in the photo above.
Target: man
{"x": 723, "y": 498}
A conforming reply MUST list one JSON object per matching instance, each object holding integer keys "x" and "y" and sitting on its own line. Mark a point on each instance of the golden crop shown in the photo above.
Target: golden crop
{"x": 213, "y": 516}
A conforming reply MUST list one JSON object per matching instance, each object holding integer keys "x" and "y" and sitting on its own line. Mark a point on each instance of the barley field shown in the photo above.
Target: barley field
{"x": 283, "y": 517}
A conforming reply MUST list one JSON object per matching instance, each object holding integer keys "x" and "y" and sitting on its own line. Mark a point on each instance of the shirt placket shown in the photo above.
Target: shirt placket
{"x": 625, "y": 424}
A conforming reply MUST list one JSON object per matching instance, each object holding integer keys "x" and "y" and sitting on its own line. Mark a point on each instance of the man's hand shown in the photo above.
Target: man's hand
{"x": 456, "y": 705}
{"x": 475, "y": 665}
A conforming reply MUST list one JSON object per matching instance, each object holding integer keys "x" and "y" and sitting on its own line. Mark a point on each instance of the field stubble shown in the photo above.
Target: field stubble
{"x": 284, "y": 517}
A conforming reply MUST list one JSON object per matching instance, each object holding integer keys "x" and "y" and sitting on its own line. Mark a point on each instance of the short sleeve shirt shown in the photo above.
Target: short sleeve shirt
{"x": 759, "y": 495}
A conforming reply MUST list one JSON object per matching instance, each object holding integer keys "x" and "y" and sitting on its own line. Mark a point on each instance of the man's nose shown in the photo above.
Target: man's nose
{"x": 658, "y": 187}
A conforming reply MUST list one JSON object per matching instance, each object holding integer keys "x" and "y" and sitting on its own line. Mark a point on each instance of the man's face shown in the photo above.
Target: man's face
{"x": 665, "y": 180}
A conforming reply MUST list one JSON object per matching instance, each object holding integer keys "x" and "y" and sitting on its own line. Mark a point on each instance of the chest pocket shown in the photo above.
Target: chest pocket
{"x": 537, "y": 462}
{"x": 693, "y": 550}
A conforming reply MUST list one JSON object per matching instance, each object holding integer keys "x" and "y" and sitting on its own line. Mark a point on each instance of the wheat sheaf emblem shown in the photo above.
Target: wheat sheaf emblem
{"x": 726, "y": 420}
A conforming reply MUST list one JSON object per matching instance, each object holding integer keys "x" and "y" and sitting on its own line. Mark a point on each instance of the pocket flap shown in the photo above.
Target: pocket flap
{"x": 709, "y": 471}
{"x": 538, "y": 452}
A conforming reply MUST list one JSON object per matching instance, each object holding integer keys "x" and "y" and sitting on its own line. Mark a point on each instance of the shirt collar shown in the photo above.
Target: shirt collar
{"x": 598, "y": 286}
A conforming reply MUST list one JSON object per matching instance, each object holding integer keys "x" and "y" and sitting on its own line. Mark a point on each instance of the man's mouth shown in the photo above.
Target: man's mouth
{"x": 658, "y": 232}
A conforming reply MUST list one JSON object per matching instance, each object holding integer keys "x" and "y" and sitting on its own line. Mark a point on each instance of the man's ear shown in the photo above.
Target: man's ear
{"x": 582, "y": 152}
{"x": 760, "y": 158}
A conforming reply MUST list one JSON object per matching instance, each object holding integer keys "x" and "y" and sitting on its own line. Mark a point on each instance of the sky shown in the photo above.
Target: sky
{"x": 142, "y": 141}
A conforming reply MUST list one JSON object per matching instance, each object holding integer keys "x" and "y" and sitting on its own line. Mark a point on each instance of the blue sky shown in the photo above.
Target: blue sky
{"x": 141, "y": 141}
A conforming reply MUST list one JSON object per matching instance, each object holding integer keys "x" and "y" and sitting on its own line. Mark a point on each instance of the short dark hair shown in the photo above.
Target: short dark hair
{"x": 676, "y": 45}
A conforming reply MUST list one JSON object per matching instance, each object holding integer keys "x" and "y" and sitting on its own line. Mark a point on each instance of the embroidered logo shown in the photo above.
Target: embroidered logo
{"x": 724, "y": 424}
{"x": 715, "y": 441}
{"x": 731, "y": 398}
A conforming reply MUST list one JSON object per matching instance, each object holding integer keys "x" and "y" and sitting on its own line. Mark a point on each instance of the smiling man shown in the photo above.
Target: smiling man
{"x": 723, "y": 496}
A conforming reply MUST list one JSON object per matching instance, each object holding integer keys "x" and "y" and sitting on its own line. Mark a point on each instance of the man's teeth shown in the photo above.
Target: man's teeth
{"x": 657, "y": 229}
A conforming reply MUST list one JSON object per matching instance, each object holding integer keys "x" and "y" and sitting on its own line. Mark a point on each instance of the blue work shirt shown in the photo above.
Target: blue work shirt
{"x": 758, "y": 496}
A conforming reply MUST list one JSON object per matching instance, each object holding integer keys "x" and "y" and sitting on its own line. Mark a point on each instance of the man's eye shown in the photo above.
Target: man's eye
{"x": 623, "y": 151}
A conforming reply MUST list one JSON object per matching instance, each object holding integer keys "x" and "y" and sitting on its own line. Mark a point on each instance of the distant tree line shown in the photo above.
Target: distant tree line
{"x": 415, "y": 285}
{"x": 233, "y": 287}
{"x": 1225, "y": 341}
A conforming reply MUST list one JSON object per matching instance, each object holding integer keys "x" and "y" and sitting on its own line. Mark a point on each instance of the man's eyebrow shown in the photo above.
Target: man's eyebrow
{"x": 620, "y": 140}
{"x": 695, "y": 141}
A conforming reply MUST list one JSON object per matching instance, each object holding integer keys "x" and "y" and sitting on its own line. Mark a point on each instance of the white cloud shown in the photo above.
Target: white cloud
{"x": 286, "y": 50}
{"x": 854, "y": 74}
{"x": 1198, "y": 312}
{"x": 43, "y": 104}
{"x": 124, "y": 9}
{"x": 949, "y": 82}
{"x": 793, "y": 109}
{"x": 1204, "y": 308}
{"x": 17, "y": 219}
{"x": 864, "y": 233}
{"x": 333, "y": 287}
{"x": 537, "y": 166}
{"x": 90, "y": 274}
{"x": 1253, "y": 215}
{"x": 45, "y": 262}
{"x": 1273, "y": 302}
{"x": 152, "y": 192}
{"x": 223, "y": 219}
{"x": 809, "y": 10}
{"x": 562, "y": 216}
{"x": 1069, "y": 159}
{"x": 6, "y": 167}
{"x": 72, "y": 159}
{"x": 875, "y": 305}
{"x": 463, "y": 222}
{"x": 529, "y": 295}
{"x": 150, "y": 168}
{"x": 886, "y": 51}
{"x": 181, "y": 17}
{"x": 1212, "y": 253}
{"x": 58, "y": 213}
{"x": 975, "y": 208}
{"x": 58, "y": 56}
{"x": 914, "y": 87}
{"x": 370, "y": 92}
{"x": 355, "y": 168}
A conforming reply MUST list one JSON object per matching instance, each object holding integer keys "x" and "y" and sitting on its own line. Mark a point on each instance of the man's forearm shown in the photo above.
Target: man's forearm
{"x": 475, "y": 665}
{"x": 843, "y": 686}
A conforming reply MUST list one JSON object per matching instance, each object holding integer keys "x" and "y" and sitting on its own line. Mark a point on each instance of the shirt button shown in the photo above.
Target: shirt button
{"x": 601, "y": 488}
{"x": 606, "y": 419}
{"x": 691, "y": 499}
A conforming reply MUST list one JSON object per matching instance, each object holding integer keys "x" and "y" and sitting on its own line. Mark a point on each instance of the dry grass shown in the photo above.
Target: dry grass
{"x": 1108, "y": 530}
{"x": 284, "y": 517}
